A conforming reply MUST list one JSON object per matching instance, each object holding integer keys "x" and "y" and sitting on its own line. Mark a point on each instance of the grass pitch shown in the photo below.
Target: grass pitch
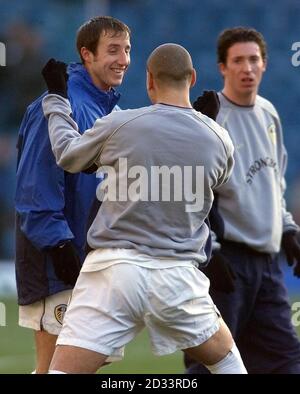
{"x": 17, "y": 349}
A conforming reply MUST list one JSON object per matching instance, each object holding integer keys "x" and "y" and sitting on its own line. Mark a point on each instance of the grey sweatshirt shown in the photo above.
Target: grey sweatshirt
{"x": 251, "y": 206}
{"x": 158, "y": 215}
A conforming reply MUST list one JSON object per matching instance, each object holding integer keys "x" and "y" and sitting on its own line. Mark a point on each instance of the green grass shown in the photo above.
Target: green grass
{"x": 17, "y": 351}
{"x": 16, "y": 344}
{"x": 139, "y": 359}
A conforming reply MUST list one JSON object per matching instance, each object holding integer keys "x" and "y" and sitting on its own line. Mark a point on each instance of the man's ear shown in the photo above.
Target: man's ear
{"x": 151, "y": 87}
{"x": 222, "y": 68}
{"x": 86, "y": 55}
{"x": 193, "y": 78}
{"x": 150, "y": 84}
{"x": 265, "y": 65}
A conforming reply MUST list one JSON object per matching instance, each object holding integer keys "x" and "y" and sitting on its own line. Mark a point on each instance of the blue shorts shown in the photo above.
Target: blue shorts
{"x": 258, "y": 313}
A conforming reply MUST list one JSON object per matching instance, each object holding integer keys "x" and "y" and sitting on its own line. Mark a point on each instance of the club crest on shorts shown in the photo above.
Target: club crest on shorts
{"x": 59, "y": 312}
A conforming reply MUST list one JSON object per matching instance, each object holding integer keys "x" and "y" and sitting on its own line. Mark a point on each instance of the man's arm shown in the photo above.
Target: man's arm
{"x": 39, "y": 197}
{"x": 209, "y": 104}
{"x": 73, "y": 152}
{"x": 290, "y": 230}
{"x": 288, "y": 221}
{"x": 290, "y": 237}
{"x": 218, "y": 269}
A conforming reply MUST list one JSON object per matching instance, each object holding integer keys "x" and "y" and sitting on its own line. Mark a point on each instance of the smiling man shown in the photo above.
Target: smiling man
{"x": 249, "y": 216}
{"x": 52, "y": 206}
{"x": 107, "y": 58}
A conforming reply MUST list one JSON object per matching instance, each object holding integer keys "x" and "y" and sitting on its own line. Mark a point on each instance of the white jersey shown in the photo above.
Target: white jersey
{"x": 250, "y": 208}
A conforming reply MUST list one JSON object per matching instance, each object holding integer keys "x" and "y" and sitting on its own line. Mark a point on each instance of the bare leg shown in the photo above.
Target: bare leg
{"x": 214, "y": 349}
{"x": 218, "y": 353}
{"x": 73, "y": 359}
{"x": 45, "y": 346}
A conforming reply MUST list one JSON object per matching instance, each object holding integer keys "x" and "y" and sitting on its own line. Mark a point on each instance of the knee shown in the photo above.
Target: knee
{"x": 218, "y": 346}
{"x": 215, "y": 348}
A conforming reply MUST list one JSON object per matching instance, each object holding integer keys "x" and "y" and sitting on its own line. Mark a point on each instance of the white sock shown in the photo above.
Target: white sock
{"x": 230, "y": 364}
{"x": 54, "y": 371}
{"x": 33, "y": 372}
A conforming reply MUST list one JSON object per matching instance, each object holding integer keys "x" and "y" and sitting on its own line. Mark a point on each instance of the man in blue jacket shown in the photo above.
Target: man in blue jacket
{"x": 52, "y": 205}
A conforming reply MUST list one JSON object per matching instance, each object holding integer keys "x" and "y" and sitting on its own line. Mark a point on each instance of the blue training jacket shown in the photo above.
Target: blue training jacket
{"x": 52, "y": 205}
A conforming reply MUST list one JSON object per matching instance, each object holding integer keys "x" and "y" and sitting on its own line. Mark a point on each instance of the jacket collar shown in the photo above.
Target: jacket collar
{"x": 79, "y": 76}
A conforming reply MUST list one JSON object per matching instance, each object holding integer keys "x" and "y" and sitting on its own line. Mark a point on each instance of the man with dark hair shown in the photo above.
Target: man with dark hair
{"x": 52, "y": 206}
{"x": 230, "y": 37}
{"x": 249, "y": 217}
{"x": 149, "y": 237}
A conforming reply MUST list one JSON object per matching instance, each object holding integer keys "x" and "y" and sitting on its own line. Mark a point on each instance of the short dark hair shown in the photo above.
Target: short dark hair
{"x": 229, "y": 37}
{"x": 89, "y": 33}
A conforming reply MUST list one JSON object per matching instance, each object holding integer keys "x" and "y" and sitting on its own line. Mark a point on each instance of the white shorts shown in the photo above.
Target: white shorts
{"x": 109, "y": 307}
{"x": 47, "y": 314}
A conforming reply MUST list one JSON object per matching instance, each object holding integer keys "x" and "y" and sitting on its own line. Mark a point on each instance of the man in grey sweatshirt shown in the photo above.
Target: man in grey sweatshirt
{"x": 162, "y": 163}
{"x": 249, "y": 216}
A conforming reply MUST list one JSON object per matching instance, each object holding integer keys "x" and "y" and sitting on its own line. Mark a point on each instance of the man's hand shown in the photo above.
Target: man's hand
{"x": 291, "y": 247}
{"x": 55, "y": 76}
{"x": 66, "y": 262}
{"x": 208, "y": 104}
{"x": 220, "y": 274}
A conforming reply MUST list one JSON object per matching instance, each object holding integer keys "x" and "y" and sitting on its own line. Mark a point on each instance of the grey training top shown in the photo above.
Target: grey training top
{"x": 251, "y": 205}
{"x": 161, "y": 216}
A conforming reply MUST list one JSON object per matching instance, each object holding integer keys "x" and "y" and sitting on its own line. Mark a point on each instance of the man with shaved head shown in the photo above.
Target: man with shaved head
{"x": 162, "y": 163}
